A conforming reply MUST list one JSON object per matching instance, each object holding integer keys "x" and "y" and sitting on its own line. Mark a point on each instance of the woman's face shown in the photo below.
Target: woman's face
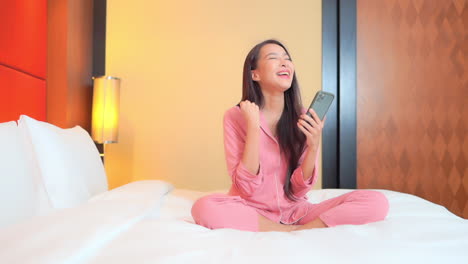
{"x": 275, "y": 69}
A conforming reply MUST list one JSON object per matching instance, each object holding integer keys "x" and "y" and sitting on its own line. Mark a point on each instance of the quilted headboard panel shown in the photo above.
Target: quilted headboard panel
{"x": 23, "y": 55}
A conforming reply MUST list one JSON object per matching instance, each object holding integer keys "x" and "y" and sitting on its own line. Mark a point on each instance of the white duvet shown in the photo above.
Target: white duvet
{"x": 149, "y": 222}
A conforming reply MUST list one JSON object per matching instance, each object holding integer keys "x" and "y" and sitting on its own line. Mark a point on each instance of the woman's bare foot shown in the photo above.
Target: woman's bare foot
{"x": 266, "y": 225}
{"x": 317, "y": 223}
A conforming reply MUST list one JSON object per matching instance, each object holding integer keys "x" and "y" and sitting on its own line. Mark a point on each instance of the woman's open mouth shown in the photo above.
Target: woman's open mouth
{"x": 284, "y": 74}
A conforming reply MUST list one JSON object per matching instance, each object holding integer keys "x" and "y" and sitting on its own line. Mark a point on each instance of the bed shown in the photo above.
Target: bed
{"x": 56, "y": 209}
{"x": 150, "y": 222}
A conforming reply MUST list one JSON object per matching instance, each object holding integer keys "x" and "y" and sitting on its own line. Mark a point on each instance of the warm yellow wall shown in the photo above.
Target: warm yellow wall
{"x": 181, "y": 68}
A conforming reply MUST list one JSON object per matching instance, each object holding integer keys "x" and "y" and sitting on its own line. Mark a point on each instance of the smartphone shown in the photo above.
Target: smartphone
{"x": 321, "y": 103}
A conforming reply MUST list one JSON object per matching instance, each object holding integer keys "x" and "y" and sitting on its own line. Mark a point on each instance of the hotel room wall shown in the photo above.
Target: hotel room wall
{"x": 181, "y": 68}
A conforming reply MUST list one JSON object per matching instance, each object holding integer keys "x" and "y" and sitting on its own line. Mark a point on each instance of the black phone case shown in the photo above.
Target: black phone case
{"x": 321, "y": 103}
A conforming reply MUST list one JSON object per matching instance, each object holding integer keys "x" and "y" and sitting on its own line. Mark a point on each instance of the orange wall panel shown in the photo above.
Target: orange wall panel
{"x": 23, "y": 29}
{"x": 21, "y": 94}
{"x": 23, "y": 55}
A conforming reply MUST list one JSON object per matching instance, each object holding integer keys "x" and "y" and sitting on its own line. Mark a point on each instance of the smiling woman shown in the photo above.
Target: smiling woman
{"x": 264, "y": 86}
{"x": 273, "y": 162}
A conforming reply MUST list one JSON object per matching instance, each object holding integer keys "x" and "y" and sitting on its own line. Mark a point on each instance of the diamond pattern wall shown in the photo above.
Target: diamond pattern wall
{"x": 412, "y": 99}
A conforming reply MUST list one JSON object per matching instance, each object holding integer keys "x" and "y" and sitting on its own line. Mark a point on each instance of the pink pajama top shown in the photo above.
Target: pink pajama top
{"x": 264, "y": 191}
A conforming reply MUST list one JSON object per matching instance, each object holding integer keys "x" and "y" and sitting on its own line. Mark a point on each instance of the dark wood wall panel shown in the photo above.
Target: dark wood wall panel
{"x": 69, "y": 63}
{"x": 412, "y": 99}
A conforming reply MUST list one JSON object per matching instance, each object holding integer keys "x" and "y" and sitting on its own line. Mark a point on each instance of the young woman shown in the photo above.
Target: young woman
{"x": 271, "y": 149}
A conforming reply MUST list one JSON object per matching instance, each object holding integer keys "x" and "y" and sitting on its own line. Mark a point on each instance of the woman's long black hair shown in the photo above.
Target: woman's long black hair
{"x": 291, "y": 139}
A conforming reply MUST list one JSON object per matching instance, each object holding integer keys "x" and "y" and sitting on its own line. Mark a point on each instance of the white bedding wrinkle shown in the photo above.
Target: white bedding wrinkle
{"x": 146, "y": 222}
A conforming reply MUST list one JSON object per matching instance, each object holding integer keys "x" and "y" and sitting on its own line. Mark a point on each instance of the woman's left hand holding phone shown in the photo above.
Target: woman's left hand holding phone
{"x": 312, "y": 128}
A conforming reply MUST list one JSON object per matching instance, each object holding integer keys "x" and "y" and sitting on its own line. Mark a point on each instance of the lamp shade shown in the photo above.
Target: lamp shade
{"x": 105, "y": 116}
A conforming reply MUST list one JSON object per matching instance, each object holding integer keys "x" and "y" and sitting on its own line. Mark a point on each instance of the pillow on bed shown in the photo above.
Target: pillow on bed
{"x": 21, "y": 190}
{"x": 68, "y": 160}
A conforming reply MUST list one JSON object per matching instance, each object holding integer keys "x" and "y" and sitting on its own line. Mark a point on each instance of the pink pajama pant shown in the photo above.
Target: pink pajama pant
{"x": 356, "y": 208}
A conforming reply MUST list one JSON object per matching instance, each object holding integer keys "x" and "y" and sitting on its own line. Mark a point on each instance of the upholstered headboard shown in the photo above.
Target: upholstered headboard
{"x": 23, "y": 53}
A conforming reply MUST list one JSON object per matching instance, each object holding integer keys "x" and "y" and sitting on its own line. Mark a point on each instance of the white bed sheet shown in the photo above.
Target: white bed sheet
{"x": 159, "y": 229}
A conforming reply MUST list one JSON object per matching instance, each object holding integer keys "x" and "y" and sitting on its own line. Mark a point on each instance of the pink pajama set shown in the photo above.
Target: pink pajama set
{"x": 262, "y": 193}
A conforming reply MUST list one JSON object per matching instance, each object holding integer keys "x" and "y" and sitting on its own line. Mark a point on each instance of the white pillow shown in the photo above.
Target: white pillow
{"x": 21, "y": 190}
{"x": 69, "y": 162}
